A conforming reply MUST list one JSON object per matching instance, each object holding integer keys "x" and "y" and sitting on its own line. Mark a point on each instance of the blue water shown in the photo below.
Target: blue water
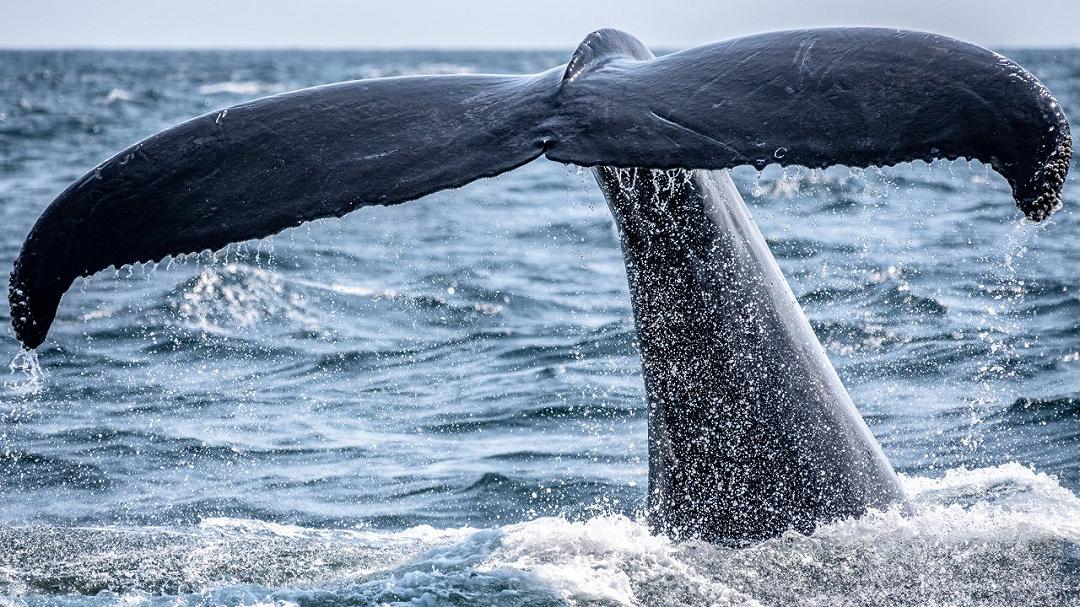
{"x": 441, "y": 402}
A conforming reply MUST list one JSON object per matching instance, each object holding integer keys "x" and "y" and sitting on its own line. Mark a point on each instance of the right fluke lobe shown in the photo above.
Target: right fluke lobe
{"x": 843, "y": 96}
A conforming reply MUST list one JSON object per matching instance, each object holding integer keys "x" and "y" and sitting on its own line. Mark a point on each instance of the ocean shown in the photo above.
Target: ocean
{"x": 441, "y": 403}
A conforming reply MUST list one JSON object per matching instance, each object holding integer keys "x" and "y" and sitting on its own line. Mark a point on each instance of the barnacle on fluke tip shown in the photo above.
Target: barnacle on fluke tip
{"x": 1048, "y": 182}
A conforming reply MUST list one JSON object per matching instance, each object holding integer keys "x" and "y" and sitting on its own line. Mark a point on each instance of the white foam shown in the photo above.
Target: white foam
{"x": 424, "y": 534}
{"x": 117, "y": 95}
{"x": 382, "y": 70}
{"x": 986, "y": 532}
{"x": 239, "y": 88}
{"x": 610, "y": 559}
{"x": 998, "y": 536}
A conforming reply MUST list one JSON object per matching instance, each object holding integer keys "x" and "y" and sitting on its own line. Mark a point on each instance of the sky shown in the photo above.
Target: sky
{"x": 505, "y": 23}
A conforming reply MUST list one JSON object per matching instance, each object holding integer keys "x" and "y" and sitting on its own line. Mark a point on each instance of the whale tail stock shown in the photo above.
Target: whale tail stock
{"x": 858, "y": 97}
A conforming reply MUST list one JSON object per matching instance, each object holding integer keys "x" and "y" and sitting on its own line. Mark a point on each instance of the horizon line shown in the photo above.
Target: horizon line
{"x": 432, "y": 48}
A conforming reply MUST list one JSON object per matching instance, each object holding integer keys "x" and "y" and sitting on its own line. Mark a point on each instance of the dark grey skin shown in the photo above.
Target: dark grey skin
{"x": 751, "y": 432}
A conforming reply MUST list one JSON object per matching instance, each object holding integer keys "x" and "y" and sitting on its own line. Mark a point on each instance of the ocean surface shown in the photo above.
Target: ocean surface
{"x": 441, "y": 403}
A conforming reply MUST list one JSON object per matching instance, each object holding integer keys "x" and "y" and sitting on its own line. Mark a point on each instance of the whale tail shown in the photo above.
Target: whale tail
{"x": 859, "y": 97}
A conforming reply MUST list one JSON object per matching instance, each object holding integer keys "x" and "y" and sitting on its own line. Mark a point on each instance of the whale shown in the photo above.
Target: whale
{"x": 751, "y": 432}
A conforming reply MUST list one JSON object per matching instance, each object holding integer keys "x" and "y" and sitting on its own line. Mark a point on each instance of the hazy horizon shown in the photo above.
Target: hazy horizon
{"x": 492, "y": 25}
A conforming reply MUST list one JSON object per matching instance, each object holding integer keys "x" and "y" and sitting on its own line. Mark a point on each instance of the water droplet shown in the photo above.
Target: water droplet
{"x": 33, "y": 377}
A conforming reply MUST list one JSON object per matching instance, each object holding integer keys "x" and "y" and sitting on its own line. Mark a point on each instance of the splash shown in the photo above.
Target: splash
{"x": 30, "y": 377}
{"x": 222, "y": 298}
{"x": 993, "y": 537}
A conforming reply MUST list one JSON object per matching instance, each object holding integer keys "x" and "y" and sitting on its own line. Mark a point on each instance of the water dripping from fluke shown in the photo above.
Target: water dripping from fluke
{"x": 29, "y": 377}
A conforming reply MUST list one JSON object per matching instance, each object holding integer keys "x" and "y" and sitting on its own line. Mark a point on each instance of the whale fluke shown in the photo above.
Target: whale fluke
{"x": 856, "y": 96}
